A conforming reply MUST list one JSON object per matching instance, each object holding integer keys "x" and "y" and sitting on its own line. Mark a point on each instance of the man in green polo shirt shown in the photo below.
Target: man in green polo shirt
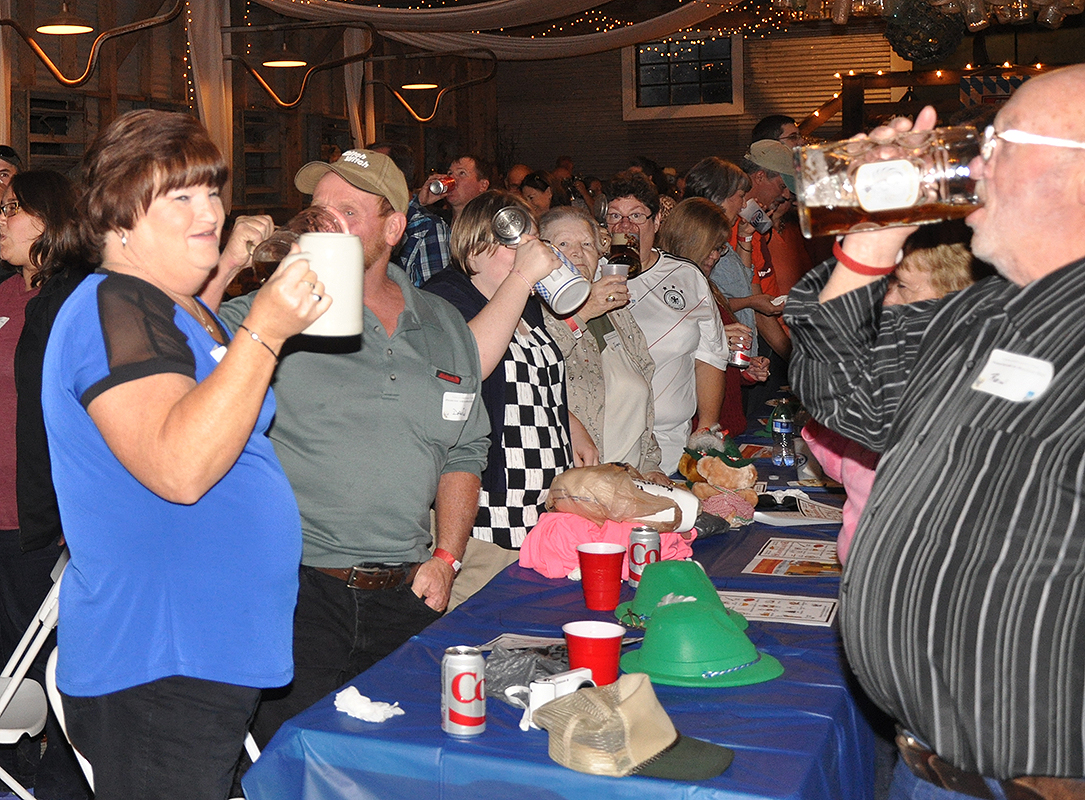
{"x": 372, "y": 434}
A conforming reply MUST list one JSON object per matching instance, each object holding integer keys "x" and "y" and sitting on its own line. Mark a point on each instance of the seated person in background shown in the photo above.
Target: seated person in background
{"x": 523, "y": 387}
{"x": 543, "y": 192}
{"x": 673, "y": 305}
{"x": 936, "y": 261}
{"x": 608, "y": 368}
{"x": 698, "y": 229}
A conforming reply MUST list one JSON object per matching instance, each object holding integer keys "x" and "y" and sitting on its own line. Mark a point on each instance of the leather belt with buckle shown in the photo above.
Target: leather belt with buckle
{"x": 373, "y": 576}
{"x": 928, "y": 766}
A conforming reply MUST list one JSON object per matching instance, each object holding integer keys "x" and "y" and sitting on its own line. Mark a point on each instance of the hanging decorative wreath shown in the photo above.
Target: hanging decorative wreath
{"x": 921, "y": 33}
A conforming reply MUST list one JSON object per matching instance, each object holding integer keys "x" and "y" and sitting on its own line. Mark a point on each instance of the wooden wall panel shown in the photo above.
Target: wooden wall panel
{"x": 574, "y": 106}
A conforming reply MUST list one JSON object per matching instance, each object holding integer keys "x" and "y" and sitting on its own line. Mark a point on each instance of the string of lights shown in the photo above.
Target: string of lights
{"x": 190, "y": 79}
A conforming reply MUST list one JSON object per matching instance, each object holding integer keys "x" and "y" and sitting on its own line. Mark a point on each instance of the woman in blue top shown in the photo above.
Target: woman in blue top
{"x": 185, "y": 538}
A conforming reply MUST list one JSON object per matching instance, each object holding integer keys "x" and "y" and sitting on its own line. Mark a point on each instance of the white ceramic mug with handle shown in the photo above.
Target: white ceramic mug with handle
{"x": 337, "y": 260}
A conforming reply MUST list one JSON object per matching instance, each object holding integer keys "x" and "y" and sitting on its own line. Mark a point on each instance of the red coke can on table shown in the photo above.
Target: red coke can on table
{"x": 463, "y": 691}
{"x": 643, "y": 550}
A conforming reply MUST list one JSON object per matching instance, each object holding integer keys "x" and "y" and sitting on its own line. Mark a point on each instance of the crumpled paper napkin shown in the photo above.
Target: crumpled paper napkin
{"x": 351, "y": 701}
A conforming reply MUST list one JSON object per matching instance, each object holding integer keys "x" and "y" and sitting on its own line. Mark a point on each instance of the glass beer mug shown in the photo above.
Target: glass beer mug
{"x": 863, "y": 184}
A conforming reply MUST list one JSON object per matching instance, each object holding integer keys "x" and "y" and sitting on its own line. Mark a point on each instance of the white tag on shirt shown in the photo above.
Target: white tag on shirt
{"x": 219, "y": 353}
{"x": 1014, "y": 377}
{"x": 457, "y": 406}
{"x": 613, "y": 340}
{"x": 4, "y": 321}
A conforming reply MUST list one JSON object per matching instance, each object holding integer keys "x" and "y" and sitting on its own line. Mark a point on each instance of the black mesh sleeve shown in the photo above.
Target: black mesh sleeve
{"x": 140, "y": 335}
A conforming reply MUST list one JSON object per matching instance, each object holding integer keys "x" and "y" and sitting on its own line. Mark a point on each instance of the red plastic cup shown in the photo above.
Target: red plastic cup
{"x": 601, "y": 574}
{"x": 595, "y": 645}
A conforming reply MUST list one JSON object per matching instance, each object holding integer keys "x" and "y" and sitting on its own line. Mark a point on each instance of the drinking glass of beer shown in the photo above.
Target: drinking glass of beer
{"x": 861, "y": 184}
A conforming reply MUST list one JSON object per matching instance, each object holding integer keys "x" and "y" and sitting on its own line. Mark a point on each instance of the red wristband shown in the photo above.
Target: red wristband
{"x": 448, "y": 558}
{"x": 855, "y": 266}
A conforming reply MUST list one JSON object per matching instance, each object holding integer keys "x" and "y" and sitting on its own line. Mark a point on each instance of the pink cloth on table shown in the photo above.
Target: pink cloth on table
{"x": 849, "y": 463}
{"x": 550, "y": 547}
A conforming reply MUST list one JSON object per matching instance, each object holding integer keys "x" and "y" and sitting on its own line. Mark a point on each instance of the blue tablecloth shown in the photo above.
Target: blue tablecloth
{"x": 799, "y": 736}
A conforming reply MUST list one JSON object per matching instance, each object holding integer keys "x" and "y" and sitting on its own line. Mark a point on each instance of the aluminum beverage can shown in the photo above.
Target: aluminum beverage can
{"x": 643, "y": 550}
{"x": 441, "y": 185}
{"x": 739, "y": 357}
{"x": 463, "y": 691}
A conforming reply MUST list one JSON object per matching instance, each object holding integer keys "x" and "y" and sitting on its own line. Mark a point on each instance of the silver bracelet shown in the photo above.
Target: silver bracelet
{"x": 256, "y": 338}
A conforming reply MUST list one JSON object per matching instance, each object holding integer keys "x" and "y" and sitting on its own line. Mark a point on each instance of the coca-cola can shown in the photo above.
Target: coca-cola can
{"x": 643, "y": 550}
{"x": 463, "y": 691}
{"x": 739, "y": 357}
{"x": 441, "y": 184}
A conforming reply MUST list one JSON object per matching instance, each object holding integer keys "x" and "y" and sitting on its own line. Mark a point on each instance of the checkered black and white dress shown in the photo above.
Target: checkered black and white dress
{"x": 534, "y": 439}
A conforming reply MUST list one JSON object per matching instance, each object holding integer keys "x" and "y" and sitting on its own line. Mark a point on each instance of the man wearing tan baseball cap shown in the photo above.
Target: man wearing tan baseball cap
{"x": 367, "y": 170}
{"x": 372, "y": 432}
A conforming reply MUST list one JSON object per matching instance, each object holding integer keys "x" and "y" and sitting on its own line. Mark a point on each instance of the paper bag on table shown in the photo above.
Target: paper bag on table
{"x": 608, "y": 492}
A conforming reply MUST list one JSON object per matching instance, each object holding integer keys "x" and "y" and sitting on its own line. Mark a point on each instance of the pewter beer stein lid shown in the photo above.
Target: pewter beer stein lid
{"x": 510, "y": 224}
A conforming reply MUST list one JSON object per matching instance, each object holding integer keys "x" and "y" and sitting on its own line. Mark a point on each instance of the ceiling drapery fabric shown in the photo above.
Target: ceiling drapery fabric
{"x": 7, "y": 41}
{"x": 512, "y": 48}
{"x": 214, "y": 92}
{"x": 355, "y": 40}
{"x": 402, "y": 26}
{"x": 475, "y": 17}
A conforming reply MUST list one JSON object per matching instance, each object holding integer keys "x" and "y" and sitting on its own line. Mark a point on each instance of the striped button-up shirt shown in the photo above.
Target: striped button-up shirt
{"x": 963, "y": 599}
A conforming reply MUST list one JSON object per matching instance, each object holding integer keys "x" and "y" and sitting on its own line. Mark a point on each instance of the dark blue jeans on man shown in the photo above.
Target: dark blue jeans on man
{"x": 338, "y": 633}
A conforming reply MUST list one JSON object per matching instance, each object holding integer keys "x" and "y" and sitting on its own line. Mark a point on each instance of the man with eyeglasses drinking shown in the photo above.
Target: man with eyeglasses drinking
{"x": 673, "y": 305}
{"x": 962, "y": 605}
{"x": 10, "y": 163}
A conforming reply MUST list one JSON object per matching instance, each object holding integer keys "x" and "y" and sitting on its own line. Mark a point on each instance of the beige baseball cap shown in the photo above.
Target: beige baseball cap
{"x": 371, "y": 172}
{"x": 621, "y": 729}
{"x": 776, "y": 156}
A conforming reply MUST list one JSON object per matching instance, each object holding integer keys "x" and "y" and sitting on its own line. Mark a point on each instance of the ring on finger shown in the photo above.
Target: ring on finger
{"x": 316, "y": 298}
{"x": 610, "y": 298}
{"x": 310, "y": 284}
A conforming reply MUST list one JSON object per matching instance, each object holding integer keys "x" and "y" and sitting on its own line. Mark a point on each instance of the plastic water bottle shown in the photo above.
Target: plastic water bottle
{"x": 783, "y": 435}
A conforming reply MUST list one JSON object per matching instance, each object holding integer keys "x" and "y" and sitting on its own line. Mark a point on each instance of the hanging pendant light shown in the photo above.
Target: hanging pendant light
{"x": 286, "y": 58}
{"x": 417, "y": 81}
{"x": 65, "y": 24}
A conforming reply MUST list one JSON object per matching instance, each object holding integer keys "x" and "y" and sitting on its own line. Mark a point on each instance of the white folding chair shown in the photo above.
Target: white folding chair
{"x": 58, "y": 710}
{"x": 23, "y": 707}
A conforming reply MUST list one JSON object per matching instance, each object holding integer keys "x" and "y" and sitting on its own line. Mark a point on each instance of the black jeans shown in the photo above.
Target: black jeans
{"x": 171, "y": 738}
{"x": 338, "y": 633}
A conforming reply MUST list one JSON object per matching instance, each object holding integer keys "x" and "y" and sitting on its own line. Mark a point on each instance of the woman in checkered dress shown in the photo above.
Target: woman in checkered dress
{"x": 524, "y": 390}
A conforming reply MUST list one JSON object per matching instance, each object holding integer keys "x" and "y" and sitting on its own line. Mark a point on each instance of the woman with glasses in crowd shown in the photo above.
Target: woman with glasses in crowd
{"x": 673, "y": 305}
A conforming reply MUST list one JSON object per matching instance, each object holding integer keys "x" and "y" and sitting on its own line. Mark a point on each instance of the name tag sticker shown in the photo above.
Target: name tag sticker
{"x": 613, "y": 340}
{"x": 1014, "y": 377}
{"x": 457, "y": 406}
{"x": 219, "y": 352}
